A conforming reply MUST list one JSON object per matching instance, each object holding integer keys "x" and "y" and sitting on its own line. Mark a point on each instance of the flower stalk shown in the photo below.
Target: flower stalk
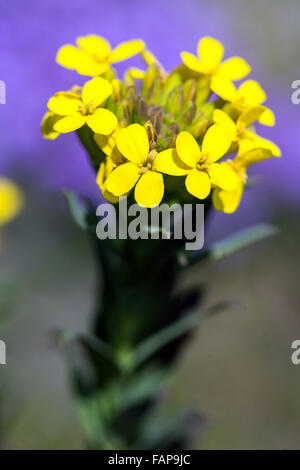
{"x": 154, "y": 137}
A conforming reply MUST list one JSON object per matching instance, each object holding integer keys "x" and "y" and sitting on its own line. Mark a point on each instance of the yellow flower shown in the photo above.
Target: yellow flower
{"x": 241, "y": 134}
{"x": 222, "y": 74}
{"x": 250, "y": 94}
{"x": 11, "y": 201}
{"x": 93, "y": 55}
{"x": 199, "y": 164}
{"x": 104, "y": 171}
{"x": 140, "y": 170}
{"x": 228, "y": 201}
{"x": 79, "y": 109}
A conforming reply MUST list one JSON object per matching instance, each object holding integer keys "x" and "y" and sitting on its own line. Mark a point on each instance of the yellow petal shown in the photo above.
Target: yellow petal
{"x": 68, "y": 56}
{"x": 168, "y": 162}
{"x": 227, "y": 201}
{"x": 64, "y": 104}
{"x": 252, "y": 141}
{"x": 102, "y": 121}
{"x": 133, "y": 143}
{"x": 96, "y": 91}
{"x": 198, "y": 184}
{"x": 127, "y": 49}
{"x": 92, "y": 68}
{"x": 149, "y": 58}
{"x": 187, "y": 148}
{"x": 269, "y": 145}
{"x": 47, "y": 125}
{"x": 107, "y": 143}
{"x": 267, "y": 118}
{"x": 223, "y": 87}
{"x": 222, "y": 118}
{"x": 251, "y": 93}
{"x": 252, "y": 156}
{"x": 104, "y": 143}
{"x": 104, "y": 170}
{"x": 11, "y": 201}
{"x": 191, "y": 61}
{"x": 235, "y": 68}
{"x": 149, "y": 190}
{"x": 94, "y": 45}
{"x": 224, "y": 176}
{"x": 122, "y": 179}
{"x": 137, "y": 73}
{"x": 250, "y": 115}
{"x": 210, "y": 52}
{"x": 109, "y": 197}
{"x": 76, "y": 59}
{"x": 216, "y": 142}
{"x": 101, "y": 175}
{"x": 69, "y": 123}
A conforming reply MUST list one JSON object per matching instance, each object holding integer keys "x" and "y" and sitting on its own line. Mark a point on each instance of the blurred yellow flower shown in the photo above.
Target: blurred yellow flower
{"x": 141, "y": 169}
{"x": 93, "y": 55}
{"x": 11, "y": 201}
{"x": 222, "y": 74}
{"x": 79, "y": 109}
{"x": 199, "y": 164}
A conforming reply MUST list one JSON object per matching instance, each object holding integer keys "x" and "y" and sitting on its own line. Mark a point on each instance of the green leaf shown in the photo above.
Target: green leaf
{"x": 100, "y": 347}
{"x": 77, "y": 209}
{"x": 174, "y": 431}
{"x": 159, "y": 340}
{"x": 229, "y": 246}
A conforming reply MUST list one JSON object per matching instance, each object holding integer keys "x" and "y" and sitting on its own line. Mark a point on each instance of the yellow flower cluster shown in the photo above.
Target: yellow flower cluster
{"x": 164, "y": 135}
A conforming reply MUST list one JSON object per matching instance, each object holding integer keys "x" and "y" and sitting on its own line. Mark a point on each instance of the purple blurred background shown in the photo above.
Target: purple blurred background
{"x": 32, "y": 31}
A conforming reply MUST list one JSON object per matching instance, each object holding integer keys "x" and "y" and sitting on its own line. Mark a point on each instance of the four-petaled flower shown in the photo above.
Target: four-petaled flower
{"x": 78, "y": 109}
{"x": 141, "y": 169}
{"x": 251, "y": 94}
{"x": 93, "y": 55}
{"x": 222, "y": 74}
{"x": 199, "y": 164}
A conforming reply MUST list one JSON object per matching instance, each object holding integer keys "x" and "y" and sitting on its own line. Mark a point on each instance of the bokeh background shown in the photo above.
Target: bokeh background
{"x": 237, "y": 369}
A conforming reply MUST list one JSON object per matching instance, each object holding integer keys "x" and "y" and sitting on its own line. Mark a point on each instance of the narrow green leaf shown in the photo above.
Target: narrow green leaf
{"x": 77, "y": 209}
{"x": 229, "y": 246}
{"x": 99, "y": 346}
{"x": 157, "y": 341}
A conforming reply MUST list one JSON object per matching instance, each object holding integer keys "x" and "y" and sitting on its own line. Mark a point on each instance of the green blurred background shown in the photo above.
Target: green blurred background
{"x": 236, "y": 370}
